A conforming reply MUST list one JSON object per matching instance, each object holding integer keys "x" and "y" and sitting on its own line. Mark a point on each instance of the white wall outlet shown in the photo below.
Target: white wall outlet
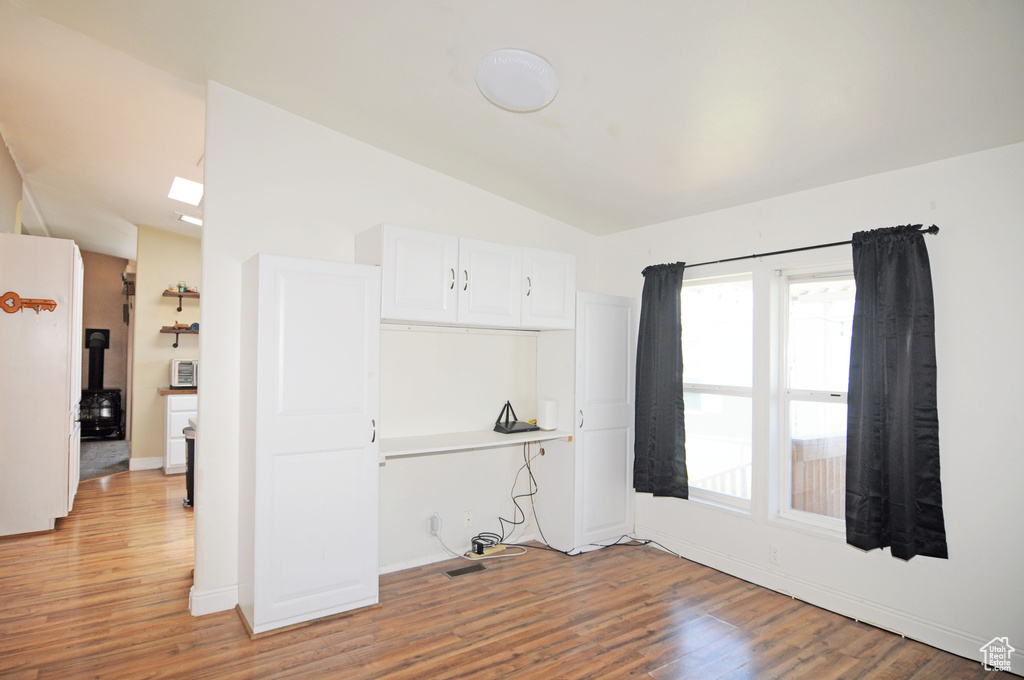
{"x": 467, "y": 519}
{"x": 774, "y": 554}
{"x": 434, "y": 525}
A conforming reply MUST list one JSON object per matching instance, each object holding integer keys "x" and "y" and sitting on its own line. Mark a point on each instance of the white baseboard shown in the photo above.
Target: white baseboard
{"x": 211, "y": 601}
{"x": 959, "y": 642}
{"x": 418, "y": 562}
{"x": 436, "y": 557}
{"x": 149, "y": 463}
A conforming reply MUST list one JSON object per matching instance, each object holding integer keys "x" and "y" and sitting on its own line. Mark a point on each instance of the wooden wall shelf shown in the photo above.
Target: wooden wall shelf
{"x": 177, "y": 332}
{"x": 180, "y": 295}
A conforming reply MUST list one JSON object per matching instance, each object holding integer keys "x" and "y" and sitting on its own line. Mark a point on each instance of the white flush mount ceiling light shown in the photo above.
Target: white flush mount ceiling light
{"x": 198, "y": 221}
{"x": 516, "y": 80}
{"x": 186, "y": 191}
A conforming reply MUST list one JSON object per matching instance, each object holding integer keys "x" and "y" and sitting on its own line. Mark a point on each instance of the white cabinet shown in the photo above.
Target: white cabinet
{"x": 308, "y": 459}
{"x": 178, "y": 408}
{"x": 585, "y": 492}
{"x": 490, "y": 284}
{"x": 40, "y": 375}
{"x": 422, "y": 269}
{"x": 439, "y": 279}
{"x": 550, "y": 296}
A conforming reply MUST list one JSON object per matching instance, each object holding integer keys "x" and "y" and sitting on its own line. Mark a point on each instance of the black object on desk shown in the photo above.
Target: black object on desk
{"x": 507, "y": 423}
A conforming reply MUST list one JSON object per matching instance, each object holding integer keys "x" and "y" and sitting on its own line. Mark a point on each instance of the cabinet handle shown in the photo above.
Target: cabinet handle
{"x": 451, "y": 286}
{"x": 373, "y": 424}
{"x": 581, "y": 417}
{"x": 529, "y": 286}
{"x": 465, "y": 286}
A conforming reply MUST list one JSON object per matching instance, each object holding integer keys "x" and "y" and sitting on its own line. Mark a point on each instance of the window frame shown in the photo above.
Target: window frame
{"x": 717, "y": 498}
{"x": 786, "y": 395}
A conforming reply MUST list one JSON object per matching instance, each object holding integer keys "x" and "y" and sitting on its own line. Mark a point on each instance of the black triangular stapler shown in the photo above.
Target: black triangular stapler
{"x": 507, "y": 423}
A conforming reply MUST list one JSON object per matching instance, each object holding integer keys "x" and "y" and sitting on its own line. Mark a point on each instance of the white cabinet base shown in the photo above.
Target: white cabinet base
{"x": 178, "y": 408}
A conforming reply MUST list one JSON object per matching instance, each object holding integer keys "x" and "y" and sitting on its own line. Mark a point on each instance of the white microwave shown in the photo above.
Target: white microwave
{"x": 184, "y": 372}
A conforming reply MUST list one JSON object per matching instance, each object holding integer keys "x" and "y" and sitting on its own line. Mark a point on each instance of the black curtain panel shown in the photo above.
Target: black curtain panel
{"x": 893, "y": 493}
{"x": 659, "y": 462}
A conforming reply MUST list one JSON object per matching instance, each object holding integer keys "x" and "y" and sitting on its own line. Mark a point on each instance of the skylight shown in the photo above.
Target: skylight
{"x": 186, "y": 191}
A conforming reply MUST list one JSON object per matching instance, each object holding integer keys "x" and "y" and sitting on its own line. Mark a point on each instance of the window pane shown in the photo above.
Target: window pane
{"x": 718, "y": 324}
{"x": 718, "y": 451}
{"x": 820, "y": 322}
{"x": 818, "y": 438}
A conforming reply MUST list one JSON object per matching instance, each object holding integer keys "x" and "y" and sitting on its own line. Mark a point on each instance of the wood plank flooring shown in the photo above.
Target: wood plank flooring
{"x": 105, "y": 596}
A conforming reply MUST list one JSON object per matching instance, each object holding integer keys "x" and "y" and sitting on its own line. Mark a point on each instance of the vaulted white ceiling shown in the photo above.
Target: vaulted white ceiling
{"x": 667, "y": 108}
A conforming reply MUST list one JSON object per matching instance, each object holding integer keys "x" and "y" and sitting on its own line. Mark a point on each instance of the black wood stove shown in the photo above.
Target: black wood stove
{"x": 100, "y": 408}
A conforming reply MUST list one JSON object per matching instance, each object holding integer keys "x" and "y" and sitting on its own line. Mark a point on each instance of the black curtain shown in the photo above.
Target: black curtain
{"x": 659, "y": 447}
{"x": 893, "y": 493}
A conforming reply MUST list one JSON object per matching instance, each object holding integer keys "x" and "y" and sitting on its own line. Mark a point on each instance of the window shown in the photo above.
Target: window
{"x": 768, "y": 352}
{"x": 717, "y": 323}
{"x": 818, "y": 320}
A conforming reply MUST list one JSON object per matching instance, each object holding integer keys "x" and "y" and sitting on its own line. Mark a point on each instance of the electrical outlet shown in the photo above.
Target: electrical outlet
{"x": 434, "y": 525}
{"x": 467, "y": 519}
{"x": 774, "y": 554}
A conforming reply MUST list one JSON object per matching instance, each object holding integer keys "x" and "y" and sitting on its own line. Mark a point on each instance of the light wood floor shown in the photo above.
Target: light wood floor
{"x": 105, "y": 596}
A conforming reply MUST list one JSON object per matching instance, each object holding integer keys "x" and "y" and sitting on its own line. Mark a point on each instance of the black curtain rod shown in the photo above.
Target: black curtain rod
{"x": 930, "y": 230}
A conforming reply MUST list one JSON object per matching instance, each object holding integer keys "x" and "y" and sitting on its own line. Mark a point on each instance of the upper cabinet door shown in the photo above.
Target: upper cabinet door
{"x": 419, "y": 275}
{"x": 429, "y": 278}
{"x": 549, "y": 294}
{"x": 490, "y": 280}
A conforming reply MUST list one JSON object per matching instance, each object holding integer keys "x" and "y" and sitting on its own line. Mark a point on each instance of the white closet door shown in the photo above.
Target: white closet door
{"x": 420, "y": 271}
{"x": 604, "y": 417}
{"x": 39, "y": 389}
{"x": 490, "y": 283}
{"x": 315, "y": 472}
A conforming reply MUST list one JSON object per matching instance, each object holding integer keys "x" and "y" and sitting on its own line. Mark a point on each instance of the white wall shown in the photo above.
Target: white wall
{"x": 10, "y": 192}
{"x": 277, "y": 183}
{"x": 977, "y": 594}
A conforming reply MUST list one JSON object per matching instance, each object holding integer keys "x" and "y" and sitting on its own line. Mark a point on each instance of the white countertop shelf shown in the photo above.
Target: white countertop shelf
{"x": 396, "y": 447}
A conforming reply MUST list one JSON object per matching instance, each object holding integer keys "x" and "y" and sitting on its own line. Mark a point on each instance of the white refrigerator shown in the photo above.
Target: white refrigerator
{"x": 40, "y": 381}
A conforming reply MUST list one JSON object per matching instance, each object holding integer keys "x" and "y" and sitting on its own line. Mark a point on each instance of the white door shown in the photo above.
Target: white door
{"x": 38, "y": 383}
{"x": 549, "y": 289}
{"x": 75, "y": 348}
{"x": 490, "y": 281}
{"x": 74, "y": 460}
{"x": 316, "y": 447}
{"x": 420, "y": 271}
{"x": 604, "y": 417}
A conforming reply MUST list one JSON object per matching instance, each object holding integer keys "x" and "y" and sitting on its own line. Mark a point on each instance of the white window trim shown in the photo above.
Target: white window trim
{"x": 715, "y": 498}
{"x": 783, "y": 499}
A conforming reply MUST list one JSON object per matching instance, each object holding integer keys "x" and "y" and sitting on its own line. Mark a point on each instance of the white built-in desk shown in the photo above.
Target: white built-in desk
{"x": 396, "y": 447}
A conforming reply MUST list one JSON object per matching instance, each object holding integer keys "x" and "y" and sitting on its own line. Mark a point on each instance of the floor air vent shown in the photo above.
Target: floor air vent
{"x": 452, "y": 573}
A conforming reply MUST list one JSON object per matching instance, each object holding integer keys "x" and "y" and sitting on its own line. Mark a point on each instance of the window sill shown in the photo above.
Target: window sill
{"x": 730, "y": 504}
{"x": 812, "y": 526}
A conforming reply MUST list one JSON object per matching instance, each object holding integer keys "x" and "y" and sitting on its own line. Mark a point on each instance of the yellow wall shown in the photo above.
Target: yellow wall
{"x": 164, "y": 258}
